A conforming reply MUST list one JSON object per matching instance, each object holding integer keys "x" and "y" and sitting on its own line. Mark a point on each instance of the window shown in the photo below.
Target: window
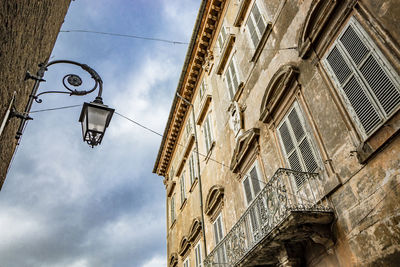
{"x": 232, "y": 78}
{"x": 188, "y": 128}
{"x": 296, "y": 144}
{"x": 186, "y": 262}
{"x": 218, "y": 236}
{"x": 251, "y": 184}
{"x": 197, "y": 251}
{"x": 172, "y": 206}
{"x": 256, "y": 25}
{"x": 183, "y": 193}
{"x": 193, "y": 167}
{"x": 366, "y": 81}
{"x": 202, "y": 89}
{"x": 222, "y": 37}
{"x": 207, "y": 130}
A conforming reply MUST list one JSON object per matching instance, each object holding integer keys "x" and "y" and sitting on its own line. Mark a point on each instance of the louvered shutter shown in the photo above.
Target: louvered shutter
{"x": 183, "y": 195}
{"x": 297, "y": 145}
{"x": 172, "y": 209}
{"x": 256, "y": 25}
{"x": 362, "y": 75}
{"x": 247, "y": 190}
{"x": 255, "y": 181}
{"x": 235, "y": 77}
{"x": 252, "y": 31}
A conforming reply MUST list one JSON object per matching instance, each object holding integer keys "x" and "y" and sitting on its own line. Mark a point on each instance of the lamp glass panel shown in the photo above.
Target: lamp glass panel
{"x": 97, "y": 119}
{"x": 84, "y": 125}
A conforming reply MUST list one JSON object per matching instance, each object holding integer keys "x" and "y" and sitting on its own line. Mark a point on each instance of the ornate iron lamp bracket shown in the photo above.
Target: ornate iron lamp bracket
{"x": 69, "y": 81}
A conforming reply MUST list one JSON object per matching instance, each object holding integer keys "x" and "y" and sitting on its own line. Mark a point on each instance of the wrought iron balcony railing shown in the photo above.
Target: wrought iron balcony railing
{"x": 288, "y": 191}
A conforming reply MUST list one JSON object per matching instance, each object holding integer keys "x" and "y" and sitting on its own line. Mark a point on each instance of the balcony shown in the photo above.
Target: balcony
{"x": 289, "y": 210}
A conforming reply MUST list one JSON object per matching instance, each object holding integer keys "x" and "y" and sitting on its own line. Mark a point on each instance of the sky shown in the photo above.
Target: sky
{"x": 66, "y": 204}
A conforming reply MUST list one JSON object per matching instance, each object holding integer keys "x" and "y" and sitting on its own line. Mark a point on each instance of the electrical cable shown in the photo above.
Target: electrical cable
{"x": 161, "y": 135}
{"x": 165, "y": 40}
{"x": 50, "y": 109}
{"x": 130, "y": 36}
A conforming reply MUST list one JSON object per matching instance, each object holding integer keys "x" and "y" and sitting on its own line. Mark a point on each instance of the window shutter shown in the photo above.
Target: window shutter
{"x": 258, "y": 19}
{"x": 252, "y": 30}
{"x": 338, "y": 65}
{"x": 381, "y": 85}
{"x": 247, "y": 190}
{"x": 219, "y": 222}
{"x": 363, "y": 77}
{"x": 297, "y": 144}
{"x": 354, "y": 45}
{"x": 229, "y": 82}
{"x": 235, "y": 78}
{"x": 255, "y": 181}
{"x": 304, "y": 146}
{"x": 216, "y": 235}
{"x": 172, "y": 209}
{"x": 361, "y": 105}
{"x": 286, "y": 138}
{"x": 183, "y": 196}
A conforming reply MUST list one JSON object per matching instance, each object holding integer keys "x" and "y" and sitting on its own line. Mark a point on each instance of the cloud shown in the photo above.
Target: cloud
{"x": 157, "y": 261}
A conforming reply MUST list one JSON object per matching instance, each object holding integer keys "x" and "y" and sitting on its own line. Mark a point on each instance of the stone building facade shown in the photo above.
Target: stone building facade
{"x": 28, "y": 31}
{"x": 297, "y": 115}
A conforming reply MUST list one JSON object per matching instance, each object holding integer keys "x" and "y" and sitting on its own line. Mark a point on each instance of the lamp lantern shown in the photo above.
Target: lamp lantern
{"x": 95, "y": 118}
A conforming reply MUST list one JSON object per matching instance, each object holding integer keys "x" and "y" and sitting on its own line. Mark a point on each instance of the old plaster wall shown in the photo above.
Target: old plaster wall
{"x": 28, "y": 31}
{"x": 364, "y": 196}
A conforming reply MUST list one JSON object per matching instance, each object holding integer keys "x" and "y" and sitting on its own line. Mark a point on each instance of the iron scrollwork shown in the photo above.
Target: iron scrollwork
{"x": 72, "y": 79}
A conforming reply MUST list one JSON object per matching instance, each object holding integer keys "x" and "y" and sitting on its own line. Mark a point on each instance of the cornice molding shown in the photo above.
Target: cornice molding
{"x": 205, "y": 30}
{"x": 195, "y": 231}
{"x": 214, "y": 201}
{"x": 283, "y": 80}
{"x": 244, "y": 144}
{"x": 173, "y": 260}
{"x": 316, "y": 21}
{"x": 184, "y": 246}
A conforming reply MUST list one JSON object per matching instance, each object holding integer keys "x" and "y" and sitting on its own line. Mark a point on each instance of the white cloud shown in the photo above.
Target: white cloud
{"x": 156, "y": 261}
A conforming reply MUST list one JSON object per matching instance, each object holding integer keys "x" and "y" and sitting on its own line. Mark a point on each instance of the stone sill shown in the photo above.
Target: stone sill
{"x": 367, "y": 149}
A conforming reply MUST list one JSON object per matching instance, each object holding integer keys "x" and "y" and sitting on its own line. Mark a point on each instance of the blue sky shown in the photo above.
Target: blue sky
{"x": 66, "y": 204}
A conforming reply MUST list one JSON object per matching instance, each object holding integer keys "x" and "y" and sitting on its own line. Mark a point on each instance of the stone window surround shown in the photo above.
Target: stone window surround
{"x": 366, "y": 148}
{"x": 282, "y": 91}
{"x": 173, "y": 260}
{"x": 214, "y": 202}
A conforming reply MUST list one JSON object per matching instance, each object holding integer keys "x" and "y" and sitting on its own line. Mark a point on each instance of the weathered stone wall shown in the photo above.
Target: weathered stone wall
{"x": 364, "y": 195}
{"x": 28, "y": 31}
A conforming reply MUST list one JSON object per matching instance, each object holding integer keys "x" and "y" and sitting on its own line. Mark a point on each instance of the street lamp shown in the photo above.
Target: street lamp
{"x": 95, "y": 116}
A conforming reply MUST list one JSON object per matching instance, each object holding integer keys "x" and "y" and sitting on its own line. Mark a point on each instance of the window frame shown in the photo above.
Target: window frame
{"x": 172, "y": 209}
{"x": 222, "y": 234}
{"x": 248, "y": 176}
{"x": 384, "y": 64}
{"x": 186, "y": 262}
{"x": 198, "y": 255}
{"x": 228, "y": 76}
{"x": 257, "y": 31}
{"x": 193, "y": 171}
{"x": 208, "y": 132}
{"x": 182, "y": 183}
{"x": 307, "y": 135}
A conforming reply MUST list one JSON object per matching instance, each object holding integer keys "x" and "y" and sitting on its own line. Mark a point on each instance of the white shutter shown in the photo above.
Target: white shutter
{"x": 247, "y": 190}
{"x": 297, "y": 145}
{"x": 366, "y": 80}
{"x": 183, "y": 193}
{"x": 172, "y": 209}
{"x": 255, "y": 181}
{"x": 256, "y": 25}
{"x": 198, "y": 255}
